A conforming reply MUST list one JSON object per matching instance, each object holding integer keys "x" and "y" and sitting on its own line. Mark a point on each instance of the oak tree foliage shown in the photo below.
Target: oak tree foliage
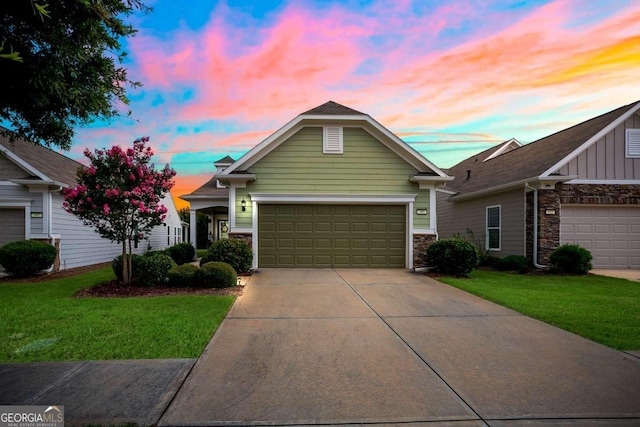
{"x": 62, "y": 65}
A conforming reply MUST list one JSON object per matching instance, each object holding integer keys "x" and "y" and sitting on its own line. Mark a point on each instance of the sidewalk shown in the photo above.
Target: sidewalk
{"x": 97, "y": 392}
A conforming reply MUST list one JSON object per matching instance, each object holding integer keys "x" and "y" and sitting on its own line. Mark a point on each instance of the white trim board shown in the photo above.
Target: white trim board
{"x": 333, "y": 198}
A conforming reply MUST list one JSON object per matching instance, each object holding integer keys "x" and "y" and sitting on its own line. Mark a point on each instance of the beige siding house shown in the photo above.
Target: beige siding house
{"x": 580, "y": 185}
{"x": 31, "y": 180}
{"x": 331, "y": 188}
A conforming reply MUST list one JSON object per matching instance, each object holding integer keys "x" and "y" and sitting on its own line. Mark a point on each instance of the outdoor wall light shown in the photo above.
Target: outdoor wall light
{"x": 244, "y": 205}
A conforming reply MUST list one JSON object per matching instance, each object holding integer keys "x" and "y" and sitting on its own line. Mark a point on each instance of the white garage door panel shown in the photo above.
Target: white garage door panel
{"x": 612, "y": 234}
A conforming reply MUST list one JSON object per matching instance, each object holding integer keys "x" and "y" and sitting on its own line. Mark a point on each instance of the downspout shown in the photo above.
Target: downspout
{"x": 52, "y": 239}
{"x": 535, "y": 226}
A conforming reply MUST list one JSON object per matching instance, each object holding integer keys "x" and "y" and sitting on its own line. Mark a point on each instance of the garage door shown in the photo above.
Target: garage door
{"x": 11, "y": 225}
{"x": 612, "y": 234}
{"x": 331, "y": 236}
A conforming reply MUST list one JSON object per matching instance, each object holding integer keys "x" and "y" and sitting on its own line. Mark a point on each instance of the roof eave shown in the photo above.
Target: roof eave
{"x": 50, "y": 183}
{"x": 236, "y": 178}
{"x": 429, "y": 181}
{"x": 189, "y": 197}
{"x": 512, "y": 185}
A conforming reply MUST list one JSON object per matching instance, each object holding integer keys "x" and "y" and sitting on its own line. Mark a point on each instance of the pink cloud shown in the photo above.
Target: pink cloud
{"x": 503, "y": 74}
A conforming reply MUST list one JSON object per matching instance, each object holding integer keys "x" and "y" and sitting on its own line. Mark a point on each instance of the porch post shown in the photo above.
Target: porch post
{"x": 192, "y": 227}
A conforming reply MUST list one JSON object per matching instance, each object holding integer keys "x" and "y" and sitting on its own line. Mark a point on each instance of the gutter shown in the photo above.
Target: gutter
{"x": 535, "y": 226}
{"x": 551, "y": 180}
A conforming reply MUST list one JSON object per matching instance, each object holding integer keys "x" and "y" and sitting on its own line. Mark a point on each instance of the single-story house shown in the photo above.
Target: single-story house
{"x": 331, "y": 188}
{"x": 31, "y": 180}
{"x": 580, "y": 185}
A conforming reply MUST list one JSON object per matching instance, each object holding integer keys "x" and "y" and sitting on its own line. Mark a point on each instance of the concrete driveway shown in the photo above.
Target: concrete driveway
{"x": 305, "y": 347}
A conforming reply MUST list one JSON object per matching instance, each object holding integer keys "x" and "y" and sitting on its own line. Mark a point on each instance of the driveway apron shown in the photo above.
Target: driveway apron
{"x": 387, "y": 347}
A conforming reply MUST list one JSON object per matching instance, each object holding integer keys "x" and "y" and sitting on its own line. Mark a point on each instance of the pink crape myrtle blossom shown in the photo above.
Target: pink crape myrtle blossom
{"x": 119, "y": 195}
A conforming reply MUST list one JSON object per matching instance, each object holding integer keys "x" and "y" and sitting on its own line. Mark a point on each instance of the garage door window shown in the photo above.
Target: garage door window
{"x": 493, "y": 228}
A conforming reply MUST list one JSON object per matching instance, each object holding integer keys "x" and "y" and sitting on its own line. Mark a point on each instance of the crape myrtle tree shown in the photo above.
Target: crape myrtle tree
{"x": 119, "y": 194}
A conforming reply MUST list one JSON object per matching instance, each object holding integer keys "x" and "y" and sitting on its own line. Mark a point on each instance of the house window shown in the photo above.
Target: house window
{"x": 633, "y": 143}
{"x": 332, "y": 142}
{"x": 168, "y": 236}
{"x": 493, "y": 228}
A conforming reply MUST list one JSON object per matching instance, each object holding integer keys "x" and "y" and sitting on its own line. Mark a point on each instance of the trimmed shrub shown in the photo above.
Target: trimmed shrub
{"x": 234, "y": 252}
{"x": 183, "y": 276}
{"x": 116, "y": 265}
{"x": 156, "y": 252}
{"x": 570, "y": 259}
{"x": 514, "y": 263}
{"x": 216, "y": 274}
{"x": 181, "y": 253}
{"x": 26, "y": 258}
{"x": 154, "y": 270}
{"x": 452, "y": 256}
{"x": 489, "y": 261}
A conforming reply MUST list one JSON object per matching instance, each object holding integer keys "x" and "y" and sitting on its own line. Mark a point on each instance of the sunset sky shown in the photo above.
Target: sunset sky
{"x": 450, "y": 77}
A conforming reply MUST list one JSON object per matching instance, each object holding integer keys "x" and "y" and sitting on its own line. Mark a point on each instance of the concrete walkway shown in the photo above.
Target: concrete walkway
{"x": 633, "y": 275}
{"x": 389, "y": 347}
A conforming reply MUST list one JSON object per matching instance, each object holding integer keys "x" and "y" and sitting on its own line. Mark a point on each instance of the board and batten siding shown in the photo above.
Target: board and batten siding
{"x": 298, "y": 166}
{"x": 606, "y": 159}
{"x": 455, "y": 218}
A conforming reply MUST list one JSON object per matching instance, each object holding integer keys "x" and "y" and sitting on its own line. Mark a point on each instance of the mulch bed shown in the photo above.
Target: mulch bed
{"x": 115, "y": 289}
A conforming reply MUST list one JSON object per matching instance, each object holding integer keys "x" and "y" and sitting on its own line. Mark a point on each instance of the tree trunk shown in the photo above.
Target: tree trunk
{"x": 126, "y": 277}
{"x": 130, "y": 261}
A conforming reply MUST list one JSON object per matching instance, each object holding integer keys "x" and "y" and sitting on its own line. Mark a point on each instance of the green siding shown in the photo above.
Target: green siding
{"x": 366, "y": 167}
{"x": 243, "y": 219}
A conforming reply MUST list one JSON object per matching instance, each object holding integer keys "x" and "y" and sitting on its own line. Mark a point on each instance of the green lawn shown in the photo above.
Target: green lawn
{"x": 43, "y": 322}
{"x": 603, "y": 309}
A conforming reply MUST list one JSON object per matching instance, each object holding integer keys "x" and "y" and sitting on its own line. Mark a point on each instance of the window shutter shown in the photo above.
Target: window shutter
{"x": 332, "y": 143}
{"x": 633, "y": 142}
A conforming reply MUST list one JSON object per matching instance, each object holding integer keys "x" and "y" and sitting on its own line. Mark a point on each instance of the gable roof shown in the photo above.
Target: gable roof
{"x": 540, "y": 158}
{"x": 332, "y": 109}
{"x": 332, "y": 112}
{"x": 226, "y": 160}
{"x": 208, "y": 189}
{"x": 39, "y": 161}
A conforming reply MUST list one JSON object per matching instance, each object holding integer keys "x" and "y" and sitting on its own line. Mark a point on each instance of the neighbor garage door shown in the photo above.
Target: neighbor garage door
{"x": 11, "y": 225}
{"x": 612, "y": 234}
{"x": 331, "y": 236}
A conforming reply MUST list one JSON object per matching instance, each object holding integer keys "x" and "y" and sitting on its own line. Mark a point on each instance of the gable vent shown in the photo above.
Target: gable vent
{"x": 332, "y": 140}
{"x": 633, "y": 142}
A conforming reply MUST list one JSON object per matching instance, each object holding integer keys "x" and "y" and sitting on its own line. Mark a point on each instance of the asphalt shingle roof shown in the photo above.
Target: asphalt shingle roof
{"x": 210, "y": 188}
{"x": 333, "y": 109}
{"x": 527, "y": 161}
{"x": 52, "y": 164}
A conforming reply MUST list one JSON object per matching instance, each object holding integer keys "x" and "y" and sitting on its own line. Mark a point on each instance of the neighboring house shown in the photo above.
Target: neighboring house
{"x": 332, "y": 188}
{"x": 31, "y": 179}
{"x": 580, "y": 185}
